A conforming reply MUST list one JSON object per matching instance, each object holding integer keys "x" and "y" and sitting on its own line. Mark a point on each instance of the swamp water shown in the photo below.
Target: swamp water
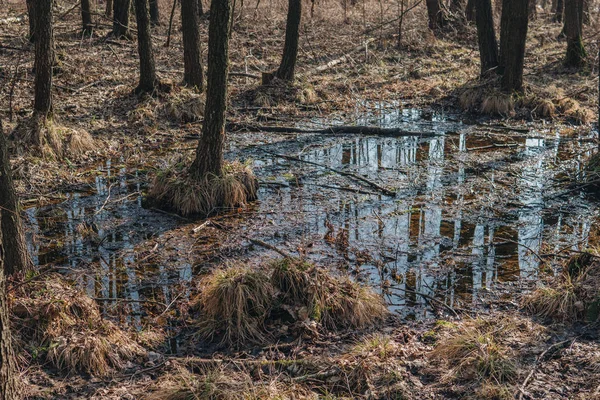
{"x": 476, "y": 207}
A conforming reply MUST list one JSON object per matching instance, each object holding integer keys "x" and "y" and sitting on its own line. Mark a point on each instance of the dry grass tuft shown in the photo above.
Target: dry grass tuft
{"x": 497, "y": 103}
{"x": 235, "y": 303}
{"x": 544, "y": 109}
{"x": 185, "y": 106}
{"x": 475, "y": 351}
{"x": 574, "y": 111}
{"x": 174, "y": 189}
{"x": 54, "y": 140}
{"x": 57, "y": 320}
{"x": 470, "y": 99}
{"x": 573, "y": 295}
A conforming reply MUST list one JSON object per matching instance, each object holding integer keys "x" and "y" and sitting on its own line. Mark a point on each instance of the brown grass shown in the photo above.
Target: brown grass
{"x": 571, "y": 296}
{"x": 64, "y": 324}
{"x": 235, "y": 303}
{"x": 174, "y": 189}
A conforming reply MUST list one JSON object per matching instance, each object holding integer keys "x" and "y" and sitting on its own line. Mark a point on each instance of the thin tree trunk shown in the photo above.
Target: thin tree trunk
{"x": 576, "y": 54}
{"x": 488, "y": 46}
{"x": 44, "y": 58}
{"x": 148, "y": 79}
{"x": 470, "y": 10}
{"x": 209, "y": 154}
{"x": 16, "y": 256}
{"x": 121, "y": 18}
{"x": 192, "y": 56}
{"x": 513, "y": 35}
{"x": 287, "y": 68}
{"x": 109, "y": 8}
{"x": 436, "y": 15}
{"x": 558, "y": 13}
{"x": 86, "y": 17}
{"x": 31, "y": 16}
{"x": 8, "y": 382}
{"x": 154, "y": 12}
{"x": 200, "y": 9}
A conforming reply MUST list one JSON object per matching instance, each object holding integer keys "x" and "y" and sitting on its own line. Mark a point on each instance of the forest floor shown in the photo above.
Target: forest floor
{"x": 482, "y": 344}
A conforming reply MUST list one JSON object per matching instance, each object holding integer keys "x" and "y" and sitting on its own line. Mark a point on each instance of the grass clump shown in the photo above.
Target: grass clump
{"x": 64, "y": 325}
{"x": 574, "y": 295}
{"x": 184, "y": 107}
{"x": 235, "y": 303}
{"x": 476, "y": 351}
{"x": 175, "y": 190}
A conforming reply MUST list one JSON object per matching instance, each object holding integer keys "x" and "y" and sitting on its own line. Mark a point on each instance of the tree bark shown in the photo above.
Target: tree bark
{"x": 209, "y": 154}
{"x": 488, "y": 46}
{"x": 31, "y": 16}
{"x": 287, "y": 68}
{"x": 16, "y": 256}
{"x": 86, "y": 17}
{"x": 8, "y": 369}
{"x": 109, "y": 8}
{"x": 513, "y": 35}
{"x": 44, "y": 57}
{"x": 121, "y": 18}
{"x": 558, "y": 13}
{"x": 576, "y": 54}
{"x": 436, "y": 15}
{"x": 200, "y": 9}
{"x": 154, "y": 12}
{"x": 192, "y": 56}
{"x": 470, "y": 10}
{"x": 148, "y": 80}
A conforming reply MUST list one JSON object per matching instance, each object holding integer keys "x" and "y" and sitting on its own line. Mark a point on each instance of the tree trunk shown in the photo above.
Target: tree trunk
{"x": 200, "y": 9}
{"x": 16, "y": 257}
{"x": 488, "y": 46}
{"x": 192, "y": 56}
{"x": 109, "y": 8}
{"x": 532, "y": 10}
{"x": 470, "y": 10}
{"x": 558, "y": 13}
{"x": 8, "y": 380}
{"x": 44, "y": 58}
{"x": 287, "y": 68}
{"x": 513, "y": 35}
{"x": 31, "y": 15}
{"x": 148, "y": 79}
{"x": 154, "y": 12}
{"x": 576, "y": 53}
{"x": 86, "y": 17}
{"x": 436, "y": 15}
{"x": 121, "y": 18}
{"x": 209, "y": 154}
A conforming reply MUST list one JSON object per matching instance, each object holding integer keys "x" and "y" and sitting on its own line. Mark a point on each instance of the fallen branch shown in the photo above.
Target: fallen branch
{"x": 372, "y": 184}
{"x": 269, "y": 246}
{"x": 343, "y": 129}
{"x": 336, "y": 61}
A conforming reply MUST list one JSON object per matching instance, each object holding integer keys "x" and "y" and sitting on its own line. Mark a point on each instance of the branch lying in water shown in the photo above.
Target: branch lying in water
{"x": 361, "y": 130}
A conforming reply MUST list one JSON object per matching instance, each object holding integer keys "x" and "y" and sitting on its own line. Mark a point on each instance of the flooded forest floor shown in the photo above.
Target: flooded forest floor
{"x": 454, "y": 217}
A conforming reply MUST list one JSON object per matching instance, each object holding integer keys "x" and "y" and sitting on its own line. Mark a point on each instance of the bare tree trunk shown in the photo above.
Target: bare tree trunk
{"x": 488, "y": 46}
{"x": 576, "y": 53}
{"x": 200, "y": 9}
{"x": 121, "y": 18}
{"x": 86, "y": 17}
{"x": 8, "y": 370}
{"x": 513, "y": 36}
{"x": 470, "y": 10}
{"x": 31, "y": 16}
{"x": 192, "y": 56}
{"x": 436, "y": 15}
{"x": 16, "y": 258}
{"x": 154, "y": 12}
{"x": 148, "y": 80}
{"x": 109, "y": 8}
{"x": 44, "y": 58}
{"x": 209, "y": 154}
{"x": 558, "y": 13}
{"x": 287, "y": 68}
